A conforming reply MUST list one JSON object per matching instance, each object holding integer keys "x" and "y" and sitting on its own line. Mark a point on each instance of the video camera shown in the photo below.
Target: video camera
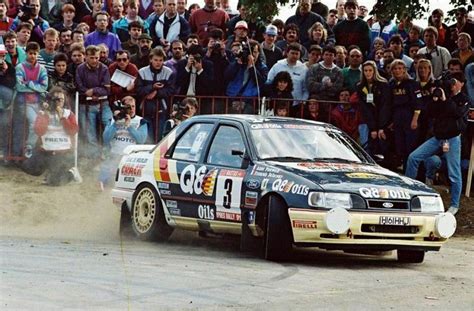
{"x": 26, "y": 8}
{"x": 445, "y": 82}
{"x": 123, "y": 108}
{"x": 244, "y": 53}
{"x": 180, "y": 110}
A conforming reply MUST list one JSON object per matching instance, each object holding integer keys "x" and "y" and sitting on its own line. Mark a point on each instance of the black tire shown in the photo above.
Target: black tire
{"x": 410, "y": 256}
{"x": 148, "y": 217}
{"x": 278, "y": 238}
{"x": 125, "y": 227}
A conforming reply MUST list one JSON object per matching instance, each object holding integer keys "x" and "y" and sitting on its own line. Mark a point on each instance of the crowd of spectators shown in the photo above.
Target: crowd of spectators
{"x": 371, "y": 76}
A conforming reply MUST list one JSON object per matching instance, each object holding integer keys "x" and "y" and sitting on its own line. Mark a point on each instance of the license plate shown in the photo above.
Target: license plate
{"x": 394, "y": 220}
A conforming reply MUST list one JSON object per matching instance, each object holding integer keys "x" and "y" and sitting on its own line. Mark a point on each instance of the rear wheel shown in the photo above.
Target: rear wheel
{"x": 278, "y": 239}
{"x": 410, "y": 256}
{"x": 148, "y": 217}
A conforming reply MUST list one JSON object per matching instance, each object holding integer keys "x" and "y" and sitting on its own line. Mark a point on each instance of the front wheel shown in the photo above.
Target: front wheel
{"x": 410, "y": 256}
{"x": 148, "y": 217}
{"x": 278, "y": 236}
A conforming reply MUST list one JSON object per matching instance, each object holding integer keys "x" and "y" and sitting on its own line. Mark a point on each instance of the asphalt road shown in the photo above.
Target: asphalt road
{"x": 195, "y": 273}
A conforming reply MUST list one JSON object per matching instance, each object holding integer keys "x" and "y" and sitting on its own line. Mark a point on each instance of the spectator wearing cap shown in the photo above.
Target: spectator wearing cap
{"x": 144, "y": 47}
{"x": 292, "y": 35}
{"x": 102, "y": 35}
{"x": 169, "y": 26}
{"x": 353, "y": 30}
{"x": 438, "y": 55}
{"x": 461, "y": 25}
{"x": 195, "y": 74}
{"x": 120, "y": 27}
{"x": 241, "y": 31}
{"x": 464, "y": 50}
{"x": 256, "y": 28}
{"x": 305, "y": 19}
{"x": 204, "y": 20}
{"x": 436, "y": 20}
{"x": 271, "y": 52}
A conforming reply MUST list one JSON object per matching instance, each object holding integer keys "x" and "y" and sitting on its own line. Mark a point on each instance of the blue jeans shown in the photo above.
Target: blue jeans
{"x": 364, "y": 136}
{"x": 88, "y": 117}
{"x": 23, "y": 114}
{"x": 6, "y": 96}
{"x": 453, "y": 161}
{"x": 432, "y": 165}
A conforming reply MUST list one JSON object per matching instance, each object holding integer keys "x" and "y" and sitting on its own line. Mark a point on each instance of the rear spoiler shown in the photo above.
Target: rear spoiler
{"x": 137, "y": 148}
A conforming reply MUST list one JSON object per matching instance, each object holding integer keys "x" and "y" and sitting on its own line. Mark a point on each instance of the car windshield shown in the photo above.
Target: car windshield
{"x": 304, "y": 142}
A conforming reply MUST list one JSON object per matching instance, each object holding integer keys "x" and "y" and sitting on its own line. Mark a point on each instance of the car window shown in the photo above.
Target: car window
{"x": 227, "y": 138}
{"x": 190, "y": 145}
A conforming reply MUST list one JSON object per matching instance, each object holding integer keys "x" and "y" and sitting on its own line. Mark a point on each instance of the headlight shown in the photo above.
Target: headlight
{"x": 330, "y": 200}
{"x": 431, "y": 204}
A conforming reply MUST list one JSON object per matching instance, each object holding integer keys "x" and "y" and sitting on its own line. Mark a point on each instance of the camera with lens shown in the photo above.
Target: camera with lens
{"x": 244, "y": 53}
{"x": 444, "y": 82}
{"x": 123, "y": 108}
{"x": 26, "y": 8}
{"x": 217, "y": 46}
{"x": 180, "y": 110}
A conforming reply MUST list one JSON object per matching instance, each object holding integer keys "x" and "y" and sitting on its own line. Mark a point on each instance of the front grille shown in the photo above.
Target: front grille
{"x": 372, "y": 237}
{"x": 389, "y": 229}
{"x": 388, "y": 204}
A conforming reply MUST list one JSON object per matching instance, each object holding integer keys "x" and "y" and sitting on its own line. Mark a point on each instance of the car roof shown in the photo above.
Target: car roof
{"x": 250, "y": 119}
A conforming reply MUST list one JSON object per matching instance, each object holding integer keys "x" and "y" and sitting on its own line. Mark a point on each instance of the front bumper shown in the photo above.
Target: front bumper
{"x": 368, "y": 230}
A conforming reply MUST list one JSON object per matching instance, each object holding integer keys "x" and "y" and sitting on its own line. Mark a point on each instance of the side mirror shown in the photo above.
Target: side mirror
{"x": 243, "y": 155}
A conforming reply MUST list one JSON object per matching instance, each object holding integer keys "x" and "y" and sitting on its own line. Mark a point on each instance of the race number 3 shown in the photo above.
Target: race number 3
{"x": 228, "y": 189}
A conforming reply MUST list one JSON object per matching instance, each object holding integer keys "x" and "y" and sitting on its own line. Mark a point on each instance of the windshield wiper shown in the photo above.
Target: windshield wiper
{"x": 335, "y": 159}
{"x": 286, "y": 159}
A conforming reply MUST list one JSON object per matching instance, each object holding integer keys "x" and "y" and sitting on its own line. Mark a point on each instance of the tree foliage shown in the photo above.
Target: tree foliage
{"x": 267, "y": 9}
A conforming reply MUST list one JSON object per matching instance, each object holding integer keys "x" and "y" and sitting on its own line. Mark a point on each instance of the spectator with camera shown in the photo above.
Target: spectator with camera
{"x": 125, "y": 129}
{"x": 29, "y": 13}
{"x": 181, "y": 112}
{"x": 56, "y": 126}
{"x": 449, "y": 109}
{"x": 204, "y": 20}
{"x": 195, "y": 74}
{"x": 155, "y": 84}
{"x": 438, "y": 55}
{"x": 246, "y": 74}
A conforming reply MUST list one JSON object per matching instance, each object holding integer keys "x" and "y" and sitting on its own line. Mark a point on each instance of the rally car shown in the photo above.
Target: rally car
{"x": 279, "y": 183}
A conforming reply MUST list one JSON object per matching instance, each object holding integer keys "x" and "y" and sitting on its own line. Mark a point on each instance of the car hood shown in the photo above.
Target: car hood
{"x": 352, "y": 177}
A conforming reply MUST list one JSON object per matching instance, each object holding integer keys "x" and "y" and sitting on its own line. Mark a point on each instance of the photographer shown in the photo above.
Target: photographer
{"x": 449, "y": 110}
{"x": 438, "y": 55}
{"x": 124, "y": 130}
{"x": 29, "y": 13}
{"x": 56, "y": 125}
{"x": 246, "y": 74}
{"x": 181, "y": 112}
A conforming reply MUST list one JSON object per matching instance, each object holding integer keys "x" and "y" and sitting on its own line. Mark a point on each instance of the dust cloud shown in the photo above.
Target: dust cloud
{"x": 30, "y": 209}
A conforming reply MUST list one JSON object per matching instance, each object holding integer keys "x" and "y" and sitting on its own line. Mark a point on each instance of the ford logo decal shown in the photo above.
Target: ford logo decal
{"x": 387, "y": 204}
{"x": 253, "y": 184}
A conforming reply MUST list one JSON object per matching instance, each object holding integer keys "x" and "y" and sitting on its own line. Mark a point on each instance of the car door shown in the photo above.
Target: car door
{"x": 182, "y": 172}
{"x": 225, "y": 176}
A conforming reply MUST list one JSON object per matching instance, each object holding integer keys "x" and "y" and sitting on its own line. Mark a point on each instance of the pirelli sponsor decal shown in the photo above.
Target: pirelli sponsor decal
{"x": 304, "y": 224}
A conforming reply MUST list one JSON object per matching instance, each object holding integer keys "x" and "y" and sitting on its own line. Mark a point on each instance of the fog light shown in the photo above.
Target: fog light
{"x": 445, "y": 225}
{"x": 338, "y": 220}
